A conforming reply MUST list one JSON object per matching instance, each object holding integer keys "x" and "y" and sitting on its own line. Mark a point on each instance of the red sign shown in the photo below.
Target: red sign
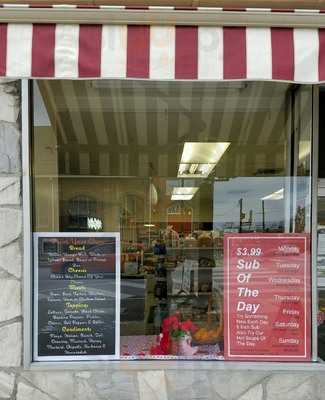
{"x": 267, "y": 297}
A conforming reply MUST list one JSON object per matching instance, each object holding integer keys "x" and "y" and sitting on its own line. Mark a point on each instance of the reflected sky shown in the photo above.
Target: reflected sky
{"x": 227, "y": 196}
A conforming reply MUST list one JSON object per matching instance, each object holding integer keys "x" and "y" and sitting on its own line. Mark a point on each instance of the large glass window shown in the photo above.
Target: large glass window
{"x": 197, "y": 195}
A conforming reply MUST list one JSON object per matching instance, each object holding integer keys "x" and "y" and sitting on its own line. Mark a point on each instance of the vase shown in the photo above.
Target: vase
{"x": 182, "y": 346}
{"x": 185, "y": 347}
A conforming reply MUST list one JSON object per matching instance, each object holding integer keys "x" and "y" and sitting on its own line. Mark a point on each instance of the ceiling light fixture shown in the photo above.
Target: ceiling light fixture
{"x": 184, "y": 193}
{"x": 184, "y": 197}
{"x": 199, "y": 159}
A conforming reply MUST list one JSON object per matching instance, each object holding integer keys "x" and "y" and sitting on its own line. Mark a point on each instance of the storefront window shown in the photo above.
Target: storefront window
{"x": 172, "y": 220}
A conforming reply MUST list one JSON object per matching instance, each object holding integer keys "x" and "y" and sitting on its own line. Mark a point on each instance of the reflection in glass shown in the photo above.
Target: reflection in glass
{"x": 171, "y": 166}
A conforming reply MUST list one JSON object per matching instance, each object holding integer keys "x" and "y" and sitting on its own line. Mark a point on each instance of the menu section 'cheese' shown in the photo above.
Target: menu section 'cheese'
{"x": 76, "y": 298}
{"x": 266, "y": 297}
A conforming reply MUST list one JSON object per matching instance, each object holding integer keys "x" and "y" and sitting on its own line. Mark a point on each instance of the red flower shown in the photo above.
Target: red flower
{"x": 164, "y": 343}
{"x": 188, "y": 326}
{"x": 175, "y": 325}
{"x": 170, "y": 321}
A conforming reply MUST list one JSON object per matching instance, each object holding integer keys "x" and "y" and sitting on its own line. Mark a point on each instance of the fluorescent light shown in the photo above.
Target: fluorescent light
{"x": 206, "y": 169}
{"x": 203, "y": 152}
{"x": 184, "y": 193}
{"x": 149, "y": 225}
{"x": 185, "y": 190}
{"x": 182, "y": 197}
{"x": 278, "y": 195}
{"x": 193, "y": 168}
{"x": 199, "y": 159}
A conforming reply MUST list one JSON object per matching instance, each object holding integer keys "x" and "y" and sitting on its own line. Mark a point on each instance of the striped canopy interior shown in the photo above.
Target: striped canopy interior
{"x": 64, "y": 51}
{"x": 137, "y": 128}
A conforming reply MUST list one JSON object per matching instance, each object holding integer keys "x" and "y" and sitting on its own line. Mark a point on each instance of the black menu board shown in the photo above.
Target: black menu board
{"x": 76, "y": 296}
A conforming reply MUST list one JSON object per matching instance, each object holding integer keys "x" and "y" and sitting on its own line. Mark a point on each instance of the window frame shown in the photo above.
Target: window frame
{"x": 27, "y": 307}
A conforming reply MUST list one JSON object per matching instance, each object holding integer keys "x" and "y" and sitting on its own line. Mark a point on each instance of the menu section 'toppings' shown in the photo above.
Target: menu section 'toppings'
{"x": 266, "y": 297}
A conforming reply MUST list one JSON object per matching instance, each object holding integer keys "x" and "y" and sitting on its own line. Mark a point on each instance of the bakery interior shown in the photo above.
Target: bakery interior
{"x": 172, "y": 167}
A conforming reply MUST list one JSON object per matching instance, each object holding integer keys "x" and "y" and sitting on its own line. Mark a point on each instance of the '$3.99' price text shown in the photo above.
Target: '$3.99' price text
{"x": 244, "y": 251}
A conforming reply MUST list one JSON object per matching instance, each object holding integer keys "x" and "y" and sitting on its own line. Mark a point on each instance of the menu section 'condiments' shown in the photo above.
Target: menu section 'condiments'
{"x": 76, "y": 296}
{"x": 266, "y": 297}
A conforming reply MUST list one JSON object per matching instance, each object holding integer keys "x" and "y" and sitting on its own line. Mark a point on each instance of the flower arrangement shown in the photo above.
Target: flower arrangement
{"x": 177, "y": 328}
{"x": 173, "y": 330}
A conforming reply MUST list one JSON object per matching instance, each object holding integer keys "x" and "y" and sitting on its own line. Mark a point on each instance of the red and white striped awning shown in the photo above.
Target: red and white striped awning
{"x": 159, "y": 52}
